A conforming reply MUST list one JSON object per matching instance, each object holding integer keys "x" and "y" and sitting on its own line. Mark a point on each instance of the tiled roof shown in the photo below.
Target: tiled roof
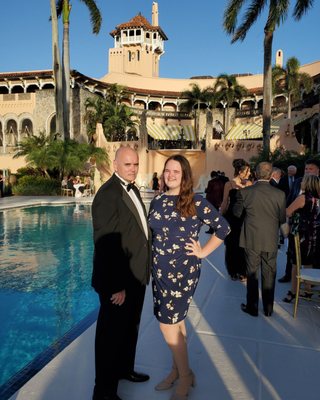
{"x": 139, "y": 21}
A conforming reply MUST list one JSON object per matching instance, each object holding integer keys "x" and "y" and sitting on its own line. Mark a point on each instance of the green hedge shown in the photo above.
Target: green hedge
{"x": 36, "y": 186}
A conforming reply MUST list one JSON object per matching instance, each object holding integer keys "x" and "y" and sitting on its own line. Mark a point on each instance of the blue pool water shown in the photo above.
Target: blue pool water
{"x": 45, "y": 274}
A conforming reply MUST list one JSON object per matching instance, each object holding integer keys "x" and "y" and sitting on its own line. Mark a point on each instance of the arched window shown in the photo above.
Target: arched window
{"x": 26, "y": 128}
{"x": 129, "y": 55}
{"x": 4, "y": 90}
{"x": 138, "y": 55}
{"x": 17, "y": 89}
{"x": 53, "y": 125}
{"x": 32, "y": 88}
{"x": 48, "y": 86}
{"x": 12, "y": 133}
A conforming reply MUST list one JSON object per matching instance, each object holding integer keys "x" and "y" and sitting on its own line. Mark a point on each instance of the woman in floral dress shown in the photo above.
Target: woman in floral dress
{"x": 175, "y": 218}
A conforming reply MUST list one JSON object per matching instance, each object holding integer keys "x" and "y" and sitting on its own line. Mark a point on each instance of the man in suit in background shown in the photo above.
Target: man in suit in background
{"x": 121, "y": 270}
{"x": 264, "y": 210}
{"x": 286, "y": 182}
{"x": 312, "y": 167}
{"x": 275, "y": 177}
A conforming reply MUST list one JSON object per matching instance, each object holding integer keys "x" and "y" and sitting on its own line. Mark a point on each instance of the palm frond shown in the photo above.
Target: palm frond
{"x": 95, "y": 15}
{"x": 301, "y": 8}
{"x": 230, "y": 16}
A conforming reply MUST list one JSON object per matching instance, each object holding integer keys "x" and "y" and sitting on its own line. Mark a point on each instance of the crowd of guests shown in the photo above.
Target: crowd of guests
{"x": 302, "y": 211}
{"x": 79, "y": 186}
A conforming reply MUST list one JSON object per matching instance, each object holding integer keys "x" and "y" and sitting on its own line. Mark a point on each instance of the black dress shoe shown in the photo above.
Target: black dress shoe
{"x": 253, "y": 313}
{"x": 284, "y": 279}
{"x": 135, "y": 377}
{"x": 268, "y": 313}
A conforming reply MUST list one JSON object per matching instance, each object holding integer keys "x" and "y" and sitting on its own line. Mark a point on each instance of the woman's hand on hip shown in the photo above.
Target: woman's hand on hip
{"x": 194, "y": 248}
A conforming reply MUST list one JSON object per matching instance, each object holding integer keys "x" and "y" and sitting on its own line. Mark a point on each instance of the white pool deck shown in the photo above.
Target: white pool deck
{"x": 233, "y": 355}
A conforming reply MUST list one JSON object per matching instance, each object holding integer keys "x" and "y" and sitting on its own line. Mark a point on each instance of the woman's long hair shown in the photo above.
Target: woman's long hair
{"x": 311, "y": 184}
{"x": 185, "y": 204}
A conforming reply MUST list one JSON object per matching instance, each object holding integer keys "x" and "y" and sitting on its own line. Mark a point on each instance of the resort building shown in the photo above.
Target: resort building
{"x": 164, "y": 126}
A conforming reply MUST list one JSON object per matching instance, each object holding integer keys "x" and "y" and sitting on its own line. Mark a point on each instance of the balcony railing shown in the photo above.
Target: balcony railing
{"x": 258, "y": 111}
{"x": 163, "y": 114}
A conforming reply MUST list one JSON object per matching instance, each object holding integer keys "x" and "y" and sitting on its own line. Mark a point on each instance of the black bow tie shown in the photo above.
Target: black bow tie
{"x": 130, "y": 186}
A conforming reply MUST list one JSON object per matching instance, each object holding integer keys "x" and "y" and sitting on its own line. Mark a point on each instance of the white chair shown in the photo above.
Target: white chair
{"x": 305, "y": 276}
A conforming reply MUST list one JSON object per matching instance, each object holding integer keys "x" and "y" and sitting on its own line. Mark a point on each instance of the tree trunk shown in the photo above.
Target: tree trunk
{"x": 57, "y": 71}
{"x": 267, "y": 91}
{"x": 289, "y": 106}
{"x": 226, "y": 119}
{"x": 66, "y": 68}
{"x": 198, "y": 126}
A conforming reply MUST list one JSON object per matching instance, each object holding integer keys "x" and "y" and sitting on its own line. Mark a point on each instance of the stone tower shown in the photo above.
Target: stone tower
{"x": 279, "y": 58}
{"x": 138, "y": 46}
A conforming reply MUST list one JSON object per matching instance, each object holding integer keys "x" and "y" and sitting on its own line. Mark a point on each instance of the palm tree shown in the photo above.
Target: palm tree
{"x": 65, "y": 156}
{"x": 195, "y": 97}
{"x": 64, "y": 9}
{"x": 96, "y": 112}
{"x": 116, "y": 118}
{"x": 119, "y": 120}
{"x": 115, "y": 93}
{"x": 290, "y": 81}
{"x": 227, "y": 90}
{"x": 57, "y": 70}
{"x": 35, "y": 149}
{"x": 278, "y": 11}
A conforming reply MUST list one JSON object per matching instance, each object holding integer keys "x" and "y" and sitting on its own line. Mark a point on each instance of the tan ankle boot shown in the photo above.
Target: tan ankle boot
{"x": 168, "y": 382}
{"x": 183, "y": 387}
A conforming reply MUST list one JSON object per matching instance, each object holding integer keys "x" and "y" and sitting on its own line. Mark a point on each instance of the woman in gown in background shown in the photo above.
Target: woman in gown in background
{"x": 305, "y": 215}
{"x": 234, "y": 255}
{"x": 175, "y": 218}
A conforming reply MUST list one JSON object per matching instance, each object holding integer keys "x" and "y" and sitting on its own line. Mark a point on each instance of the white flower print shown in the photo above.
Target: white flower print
{"x": 176, "y": 293}
{"x": 175, "y": 318}
{"x": 170, "y": 306}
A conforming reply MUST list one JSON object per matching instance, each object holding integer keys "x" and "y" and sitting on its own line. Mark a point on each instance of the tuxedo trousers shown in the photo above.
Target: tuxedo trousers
{"x": 116, "y": 338}
{"x": 267, "y": 263}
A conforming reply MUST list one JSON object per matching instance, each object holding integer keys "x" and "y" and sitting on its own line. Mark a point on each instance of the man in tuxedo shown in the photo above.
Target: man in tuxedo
{"x": 264, "y": 209}
{"x": 312, "y": 167}
{"x": 121, "y": 270}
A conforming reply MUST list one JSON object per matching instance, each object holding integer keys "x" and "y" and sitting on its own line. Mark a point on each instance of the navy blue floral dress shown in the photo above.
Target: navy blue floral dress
{"x": 175, "y": 274}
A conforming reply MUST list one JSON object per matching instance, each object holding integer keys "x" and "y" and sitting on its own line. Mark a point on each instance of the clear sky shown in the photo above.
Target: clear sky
{"x": 197, "y": 43}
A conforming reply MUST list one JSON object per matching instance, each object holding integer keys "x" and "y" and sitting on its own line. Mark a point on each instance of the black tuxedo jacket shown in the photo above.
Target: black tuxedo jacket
{"x": 122, "y": 253}
{"x": 264, "y": 208}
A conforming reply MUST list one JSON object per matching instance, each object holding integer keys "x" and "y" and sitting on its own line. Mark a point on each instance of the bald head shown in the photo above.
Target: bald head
{"x": 126, "y": 163}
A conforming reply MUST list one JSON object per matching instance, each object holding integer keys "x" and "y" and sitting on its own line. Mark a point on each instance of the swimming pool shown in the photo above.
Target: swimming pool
{"x": 45, "y": 275}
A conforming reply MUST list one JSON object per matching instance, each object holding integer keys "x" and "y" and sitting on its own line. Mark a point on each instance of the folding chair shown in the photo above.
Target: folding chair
{"x": 305, "y": 275}
{"x": 66, "y": 192}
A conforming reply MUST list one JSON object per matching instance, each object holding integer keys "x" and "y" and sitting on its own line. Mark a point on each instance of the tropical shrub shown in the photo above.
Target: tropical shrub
{"x": 36, "y": 186}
